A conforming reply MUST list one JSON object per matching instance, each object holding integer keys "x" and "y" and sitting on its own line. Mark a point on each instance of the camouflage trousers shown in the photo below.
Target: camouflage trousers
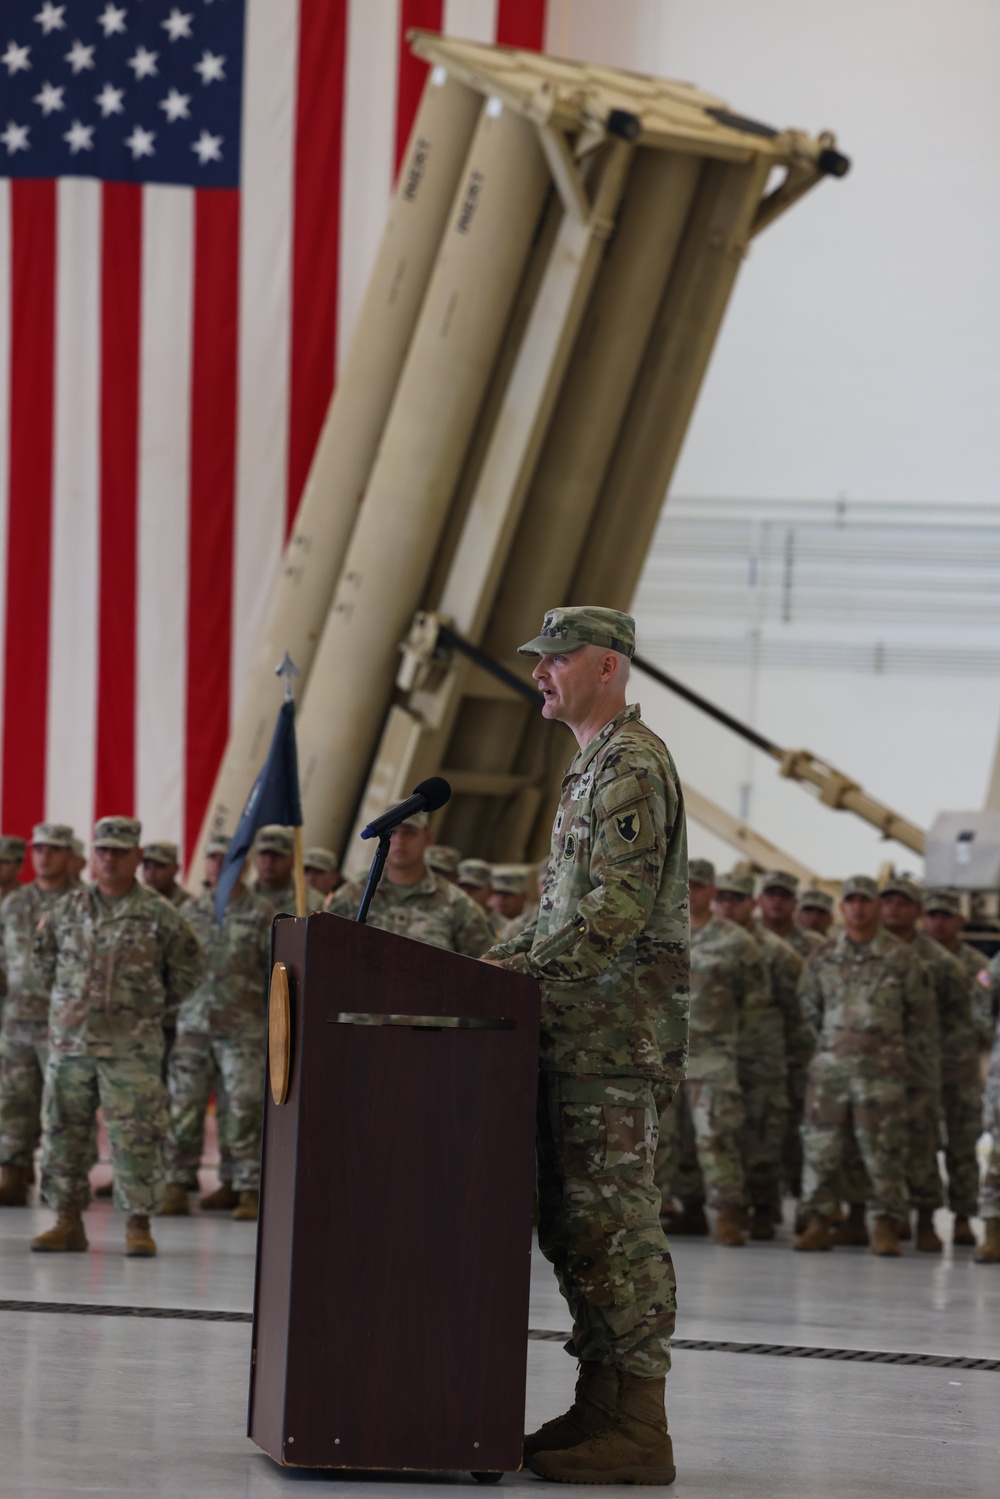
{"x": 131, "y": 1095}
{"x": 922, "y": 1175}
{"x": 762, "y": 1139}
{"x": 962, "y": 1105}
{"x": 792, "y": 1148}
{"x": 193, "y": 1063}
{"x": 989, "y": 1192}
{"x": 838, "y": 1096}
{"x": 698, "y": 1155}
{"x": 599, "y": 1219}
{"x": 24, "y": 1049}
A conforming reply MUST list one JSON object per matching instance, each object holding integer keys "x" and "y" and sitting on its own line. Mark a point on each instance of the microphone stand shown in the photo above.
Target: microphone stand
{"x": 374, "y": 875}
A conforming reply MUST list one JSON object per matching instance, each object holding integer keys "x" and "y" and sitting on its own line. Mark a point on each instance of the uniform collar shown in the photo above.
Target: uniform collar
{"x": 584, "y": 756}
{"x": 426, "y": 886}
{"x": 862, "y": 951}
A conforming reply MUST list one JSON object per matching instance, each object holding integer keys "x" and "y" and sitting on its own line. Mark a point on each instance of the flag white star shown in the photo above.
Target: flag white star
{"x": 16, "y": 59}
{"x": 175, "y": 105}
{"x": 80, "y": 57}
{"x": 50, "y": 98}
{"x": 109, "y": 100}
{"x": 15, "y": 137}
{"x": 210, "y": 67}
{"x": 208, "y": 147}
{"x": 50, "y": 17}
{"x": 140, "y": 142}
{"x": 112, "y": 19}
{"x": 143, "y": 63}
{"x": 79, "y": 137}
{"x": 178, "y": 25}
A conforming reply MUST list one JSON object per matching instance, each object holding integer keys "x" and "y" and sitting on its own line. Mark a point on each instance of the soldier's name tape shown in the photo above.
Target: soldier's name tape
{"x": 540, "y": 1335}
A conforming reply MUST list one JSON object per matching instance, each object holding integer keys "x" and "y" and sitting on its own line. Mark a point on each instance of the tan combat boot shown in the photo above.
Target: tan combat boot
{"x": 852, "y": 1230}
{"x": 175, "y": 1204}
{"x": 246, "y": 1210}
{"x": 634, "y": 1448}
{"x": 223, "y": 1199}
{"x": 927, "y": 1239}
{"x": 815, "y": 1236}
{"x": 593, "y": 1409}
{"x": 961, "y": 1233}
{"x": 988, "y": 1252}
{"x": 728, "y": 1228}
{"x": 65, "y": 1237}
{"x": 14, "y": 1184}
{"x": 690, "y": 1220}
{"x": 139, "y": 1242}
{"x": 762, "y": 1223}
{"x": 885, "y": 1237}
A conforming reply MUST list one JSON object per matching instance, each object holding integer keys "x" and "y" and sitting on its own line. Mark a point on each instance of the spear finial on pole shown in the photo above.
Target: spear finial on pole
{"x": 286, "y": 668}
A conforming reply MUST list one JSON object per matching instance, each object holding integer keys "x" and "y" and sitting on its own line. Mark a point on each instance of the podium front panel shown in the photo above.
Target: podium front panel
{"x": 396, "y": 1194}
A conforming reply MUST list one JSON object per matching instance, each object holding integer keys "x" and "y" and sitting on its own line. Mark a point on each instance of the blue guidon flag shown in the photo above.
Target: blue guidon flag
{"x": 140, "y": 92}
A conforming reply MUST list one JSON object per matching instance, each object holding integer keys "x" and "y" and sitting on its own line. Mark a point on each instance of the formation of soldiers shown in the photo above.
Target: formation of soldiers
{"x": 124, "y": 993}
{"x": 839, "y": 1066}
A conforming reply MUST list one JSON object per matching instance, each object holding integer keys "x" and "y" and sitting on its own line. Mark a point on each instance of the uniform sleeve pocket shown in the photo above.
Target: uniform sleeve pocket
{"x": 624, "y": 813}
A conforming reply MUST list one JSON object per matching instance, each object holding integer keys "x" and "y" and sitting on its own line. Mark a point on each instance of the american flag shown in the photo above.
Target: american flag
{"x": 191, "y": 195}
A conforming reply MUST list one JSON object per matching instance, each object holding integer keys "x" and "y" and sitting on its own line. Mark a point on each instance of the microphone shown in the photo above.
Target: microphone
{"x": 426, "y": 797}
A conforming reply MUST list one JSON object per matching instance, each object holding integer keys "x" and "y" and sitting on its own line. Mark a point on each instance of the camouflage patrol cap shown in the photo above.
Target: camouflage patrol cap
{"x": 474, "y": 872}
{"x": 78, "y": 848}
{"x": 902, "y": 885}
{"x": 586, "y": 624}
{"x": 55, "y": 834}
{"x": 417, "y": 820}
{"x": 701, "y": 872}
{"x": 859, "y": 884}
{"x": 442, "y": 858}
{"x": 217, "y": 844}
{"x": 274, "y": 839}
{"x": 160, "y": 853}
{"x": 117, "y": 832}
{"x": 942, "y": 900}
{"x": 509, "y": 879}
{"x": 780, "y": 879}
{"x": 323, "y": 859}
{"x": 815, "y": 900}
{"x": 735, "y": 883}
{"x": 12, "y": 850}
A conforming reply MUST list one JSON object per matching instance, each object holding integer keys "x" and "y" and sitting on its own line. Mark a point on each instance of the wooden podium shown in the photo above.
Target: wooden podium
{"x": 394, "y": 1243}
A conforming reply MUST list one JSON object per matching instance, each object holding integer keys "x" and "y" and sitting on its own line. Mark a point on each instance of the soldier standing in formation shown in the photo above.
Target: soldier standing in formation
{"x": 475, "y": 880}
{"x": 117, "y": 961}
{"x": 508, "y": 892}
{"x": 765, "y": 1047}
{"x": 950, "y": 1051}
{"x": 610, "y": 949}
{"x": 274, "y": 880}
{"x": 322, "y": 870}
{"x": 699, "y": 1152}
{"x": 815, "y": 912}
{"x": 444, "y": 860}
{"x": 868, "y": 1004}
{"x": 160, "y": 867}
{"x": 12, "y": 851}
{"x": 414, "y": 902}
{"x": 221, "y": 1026}
{"x": 24, "y": 1033}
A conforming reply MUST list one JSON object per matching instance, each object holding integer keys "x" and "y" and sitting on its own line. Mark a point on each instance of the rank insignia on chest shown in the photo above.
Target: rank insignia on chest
{"x": 627, "y": 824}
{"x": 584, "y": 786}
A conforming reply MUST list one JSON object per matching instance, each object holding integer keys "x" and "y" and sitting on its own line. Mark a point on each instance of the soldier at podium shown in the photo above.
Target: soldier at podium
{"x": 610, "y": 948}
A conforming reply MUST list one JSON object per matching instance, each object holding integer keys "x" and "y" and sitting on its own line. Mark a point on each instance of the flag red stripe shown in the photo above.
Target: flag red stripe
{"x": 428, "y": 15}
{"x": 521, "y": 23}
{"x": 29, "y": 537}
{"x": 213, "y": 470}
{"x": 316, "y": 233}
{"x": 121, "y": 262}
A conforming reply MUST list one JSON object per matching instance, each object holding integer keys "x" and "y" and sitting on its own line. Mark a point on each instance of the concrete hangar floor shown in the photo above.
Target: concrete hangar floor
{"x": 794, "y": 1375}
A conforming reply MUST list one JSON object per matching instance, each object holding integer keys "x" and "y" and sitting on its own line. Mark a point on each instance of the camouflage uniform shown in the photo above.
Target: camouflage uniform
{"x": 985, "y": 998}
{"x": 222, "y": 1025}
{"x": 282, "y": 899}
{"x": 702, "y": 1128}
{"x": 610, "y": 949}
{"x": 117, "y": 972}
{"x": 960, "y": 1087}
{"x": 766, "y": 1044}
{"x": 989, "y": 1192}
{"x": 518, "y": 924}
{"x": 869, "y": 1007}
{"x": 24, "y": 1032}
{"x": 950, "y": 1033}
{"x": 433, "y": 911}
{"x": 475, "y": 874}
